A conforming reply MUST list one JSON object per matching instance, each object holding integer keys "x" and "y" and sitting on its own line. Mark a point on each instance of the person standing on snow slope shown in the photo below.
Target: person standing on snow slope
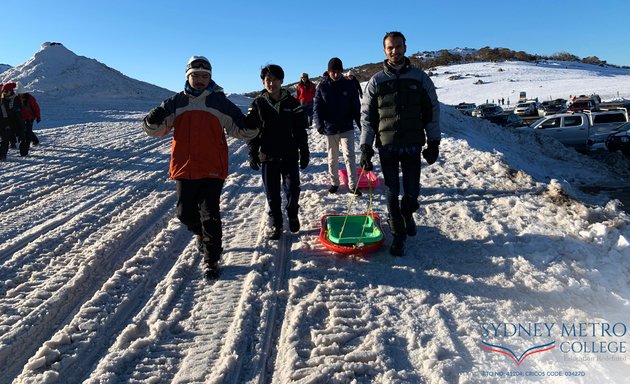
{"x": 336, "y": 108}
{"x": 350, "y": 76}
{"x": 281, "y": 143}
{"x": 305, "y": 94}
{"x": 11, "y": 123}
{"x": 30, "y": 113}
{"x": 200, "y": 115}
{"x": 401, "y": 110}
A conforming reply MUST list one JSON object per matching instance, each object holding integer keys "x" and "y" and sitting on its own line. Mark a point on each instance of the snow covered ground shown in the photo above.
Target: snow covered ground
{"x": 99, "y": 283}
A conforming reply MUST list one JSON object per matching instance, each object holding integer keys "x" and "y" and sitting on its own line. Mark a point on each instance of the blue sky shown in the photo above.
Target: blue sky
{"x": 152, "y": 40}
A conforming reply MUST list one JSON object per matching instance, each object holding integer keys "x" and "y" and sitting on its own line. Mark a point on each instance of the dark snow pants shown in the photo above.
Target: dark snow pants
{"x": 10, "y": 130}
{"x": 29, "y": 135}
{"x": 273, "y": 174}
{"x": 198, "y": 208}
{"x": 5, "y": 137}
{"x": 393, "y": 160}
{"x": 308, "y": 111}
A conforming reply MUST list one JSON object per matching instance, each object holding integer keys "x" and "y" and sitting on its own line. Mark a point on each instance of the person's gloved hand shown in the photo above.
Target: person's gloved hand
{"x": 305, "y": 157}
{"x": 254, "y": 161}
{"x": 157, "y": 115}
{"x": 366, "y": 157}
{"x": 431, "y": 152}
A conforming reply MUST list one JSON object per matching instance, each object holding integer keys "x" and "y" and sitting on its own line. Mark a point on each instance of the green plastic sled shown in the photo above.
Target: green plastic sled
{"x": 357, "y": 229}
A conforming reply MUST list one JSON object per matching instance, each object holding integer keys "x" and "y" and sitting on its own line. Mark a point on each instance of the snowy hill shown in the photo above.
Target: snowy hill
{"x": 545, "y": 80}
{"x": 454, "y": 51}
{"x": 56, "y": 73}
{"x": 515, "y": 275}
{"x": 4, "y": 67}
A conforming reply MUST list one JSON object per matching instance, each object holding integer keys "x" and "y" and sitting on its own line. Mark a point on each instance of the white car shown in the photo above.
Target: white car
{"x": 526, "y": 109}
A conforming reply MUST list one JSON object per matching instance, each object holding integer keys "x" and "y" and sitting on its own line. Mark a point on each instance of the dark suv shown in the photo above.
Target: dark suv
{"x": 485, "y": 110}
{"x": 509, "y": 120}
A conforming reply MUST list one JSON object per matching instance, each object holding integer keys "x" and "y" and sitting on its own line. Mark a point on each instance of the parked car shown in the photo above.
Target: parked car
{"x": 484, "y": 110}
{"x": 552, "y": 107}
{"x": 506, "y": 119}
{"x": 527, "y": 108}
{"x": 586, "y": 104}
{"x": 615, "y": 105}
{"x": 466, "y": 108}
{"x": 577, "y": 129}
{"x": 620, "y": 141}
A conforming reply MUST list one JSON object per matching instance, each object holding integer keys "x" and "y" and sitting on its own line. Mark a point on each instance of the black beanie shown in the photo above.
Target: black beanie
{"x": 335, "y": 64}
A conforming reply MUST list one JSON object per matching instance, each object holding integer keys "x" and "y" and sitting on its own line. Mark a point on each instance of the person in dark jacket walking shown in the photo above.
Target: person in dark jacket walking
{"x": 305, "y": 94}
{"x": 30, "y": 113}
{"x": 281, "y": 145}
{"x": 401, "y": 111}
{"x": 336, "y": 108}
{"x": 11, "y": 123}
{"x": 350, "y": 76}
{"x": 199, "y": 116}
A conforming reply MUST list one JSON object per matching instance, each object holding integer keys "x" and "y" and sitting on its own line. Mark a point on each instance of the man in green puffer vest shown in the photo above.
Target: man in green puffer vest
{"x": 400, "y": 110}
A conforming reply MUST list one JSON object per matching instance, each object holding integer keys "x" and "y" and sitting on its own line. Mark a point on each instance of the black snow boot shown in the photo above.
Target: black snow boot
{"x": 211, "y": 257}
{"x": 212, "y": 271}
{"x": 294, "y": 224}
{"x": 408, "y": 205}
{"x": 398, "y": 246}
{"x": 410, "y": 225}
{"x": 397, "y": 226}
{"x": 276, "y": 226}
{"x": 276, "y": 232}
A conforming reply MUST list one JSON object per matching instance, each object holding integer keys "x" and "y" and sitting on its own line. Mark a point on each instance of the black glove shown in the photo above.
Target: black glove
{"x": 431, "y": 152}
{"x": 305, "y": 157}
{"x": 157, "y": 115}
{"x": 254, "y": 161}
{"x": 366, "y": 157}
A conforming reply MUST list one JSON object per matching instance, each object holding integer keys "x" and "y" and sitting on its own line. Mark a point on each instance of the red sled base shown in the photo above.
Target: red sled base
{"x": 352, "y": 246}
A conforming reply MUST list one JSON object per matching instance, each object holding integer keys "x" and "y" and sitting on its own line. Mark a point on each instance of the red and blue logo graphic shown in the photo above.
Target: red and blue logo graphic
{"x": 518, "y": 360}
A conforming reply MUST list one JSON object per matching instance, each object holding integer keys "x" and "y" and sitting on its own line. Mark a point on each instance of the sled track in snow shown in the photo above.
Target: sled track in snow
{"x": 133, "y": 325}
{"x": 36, "y": 193}
{"x": 40, "y": 323}
{"x": 124, "y": 303}
{"x": 276, "y": 313}
{"x": 76, "y": 278}
{"x": 209, "y": 339}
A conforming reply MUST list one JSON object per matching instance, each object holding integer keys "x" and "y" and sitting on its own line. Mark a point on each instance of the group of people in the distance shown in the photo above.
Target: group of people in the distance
{"x": 18, "y": 111}
{"x": 398, "y": 113}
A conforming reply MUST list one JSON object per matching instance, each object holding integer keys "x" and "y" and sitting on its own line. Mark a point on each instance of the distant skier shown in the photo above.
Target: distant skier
{"x": 281, "y": 144}
{"x": 11, "y": 123}
{"x": 401, "y": 110}
{"x": 200, "y": 115}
